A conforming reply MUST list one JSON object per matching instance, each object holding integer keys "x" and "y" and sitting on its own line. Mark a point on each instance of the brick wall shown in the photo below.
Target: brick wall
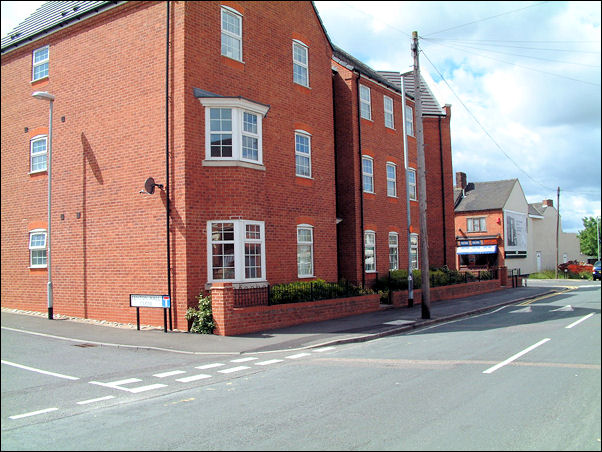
{"x": 108, "y": 76}
{"x": 231, "y": 321}
{"x": 400, "y": 297}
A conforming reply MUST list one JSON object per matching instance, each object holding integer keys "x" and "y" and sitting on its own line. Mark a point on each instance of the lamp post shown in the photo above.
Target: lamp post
{"x": 49, "y": 97}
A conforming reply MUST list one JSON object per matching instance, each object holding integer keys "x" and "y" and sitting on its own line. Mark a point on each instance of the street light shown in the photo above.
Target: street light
{"x": 49, "y": 97}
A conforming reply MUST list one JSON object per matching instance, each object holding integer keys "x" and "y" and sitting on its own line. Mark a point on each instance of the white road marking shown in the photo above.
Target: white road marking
{"x": 33, "y": 413}
{"x": 193, "y": 378}
{"x": 298, "y": 355}
{"x": 233, "y": 369}
{"x": 45, "y": 372}
{"x": 170, "y": 373}
{"x": 100, "y": 399}
{"x": 145, "y": 388}
{"x": 523, "y": 310}
{"x": 210, "y": 366}
{"x": 323, "y": 349}
{"x": 243, "y": 360}
{"x": 514, "y": 357}
{"x": 580, "y": 320}
{"x": 564, "y": 308}
{"x": 119, "y": 385}
{"x": 271, "y": 361}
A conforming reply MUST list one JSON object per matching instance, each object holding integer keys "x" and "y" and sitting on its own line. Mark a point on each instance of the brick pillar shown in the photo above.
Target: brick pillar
{"x": 503, "y": 275}
{"x": 222, "y": 305}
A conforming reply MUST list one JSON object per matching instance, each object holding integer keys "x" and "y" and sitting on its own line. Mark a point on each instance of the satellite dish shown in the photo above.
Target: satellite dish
{"x": 149, "y": 185}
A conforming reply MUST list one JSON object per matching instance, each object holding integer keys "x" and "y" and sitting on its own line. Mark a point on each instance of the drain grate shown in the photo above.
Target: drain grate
{"x": 85, "y": 345}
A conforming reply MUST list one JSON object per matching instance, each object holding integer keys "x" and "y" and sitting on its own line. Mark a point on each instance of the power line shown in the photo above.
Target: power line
{"x": 521, "y": 66}
{"x": 481, "y": 126}
{"x": 466, "y": 46}
{"x": 484, "y": 19}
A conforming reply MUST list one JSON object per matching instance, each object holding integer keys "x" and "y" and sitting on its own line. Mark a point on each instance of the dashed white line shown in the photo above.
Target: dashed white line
{"x": 298, "y": 355}
{"x": 271, "y": 361}
{"x": 145, "y": 388}
{"x": 170, "y": 373}
{"x": 45, "y": 372}
{"x": 323, "y": 349}
{"x": 33, "y": 413}
{"x": 514, "y": 357}
{"x": 100, "y": 399}
{"x": 580, "y": 320}
{"x": 210, "y": 366}
{"x": 193, "y": 378}
{"x": 243, "y": 360}
{"x": 233, "y": 369}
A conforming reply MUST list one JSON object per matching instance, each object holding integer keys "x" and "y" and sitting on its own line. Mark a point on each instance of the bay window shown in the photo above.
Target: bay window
{"x": 236, "y": 251}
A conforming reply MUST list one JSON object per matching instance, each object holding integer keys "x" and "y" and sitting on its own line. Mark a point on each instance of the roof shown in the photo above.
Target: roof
{"x": 430, "y": 105}
{"x": 485, "y": 195}
{"x": 352, "y": 63}
{"x": 536, "y": 209}
{"x": 50, "y": 17}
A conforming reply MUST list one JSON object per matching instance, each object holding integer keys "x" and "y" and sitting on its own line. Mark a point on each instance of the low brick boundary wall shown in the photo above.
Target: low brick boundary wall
{"x": 400, "y": 298}
{"x": 231, "y": 321}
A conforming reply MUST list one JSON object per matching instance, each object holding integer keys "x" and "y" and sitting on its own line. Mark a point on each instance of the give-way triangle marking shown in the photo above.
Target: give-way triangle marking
{"x": 527, "y": 309}
{"x": 565, "y": 308}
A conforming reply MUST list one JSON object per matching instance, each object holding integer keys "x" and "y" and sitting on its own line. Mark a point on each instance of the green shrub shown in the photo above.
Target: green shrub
{"x": 300, "y": 291}
{"x": 201, "y": 316}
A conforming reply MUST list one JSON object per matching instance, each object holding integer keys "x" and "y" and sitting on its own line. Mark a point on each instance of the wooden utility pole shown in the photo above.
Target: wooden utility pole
{"x": 557, "y": 224}
{"x": 424, "y": 243}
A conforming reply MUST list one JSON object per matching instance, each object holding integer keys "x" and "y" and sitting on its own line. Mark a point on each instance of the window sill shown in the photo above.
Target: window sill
{"x": 236, "y": 285}
{"x": 39, "y": 81}
{"x": 35, "y": 173}
{"x": 38, "y": 268}
{"x": 239, "y": 163}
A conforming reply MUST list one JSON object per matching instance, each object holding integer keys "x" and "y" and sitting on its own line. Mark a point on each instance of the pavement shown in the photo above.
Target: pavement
{"x": 356, "y": 328}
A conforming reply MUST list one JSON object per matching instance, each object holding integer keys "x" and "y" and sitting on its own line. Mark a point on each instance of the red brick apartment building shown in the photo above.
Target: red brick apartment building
{"x": 230, "y": 108}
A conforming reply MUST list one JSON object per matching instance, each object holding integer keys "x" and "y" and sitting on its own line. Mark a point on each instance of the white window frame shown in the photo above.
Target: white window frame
{"x": 414, "y": 241}
{"x": 230, "y": 12}
{"x": 305, "y": 244}
{"x": 367, "y": 248}
{"x": 239, "y": 242}
{"x": 412, "y": 186}
{"x": 409, "y": 121}
{"x": 36, "y": 64}
{"x": 391, "y": 182}
{"x": 393, "y": 251}
{"x": 365, "y": 102}
{"x": 36, "y": 248}
{"x": 33, "y": 154}
{"x": 300, "y": 65}
{"x": 481, "y": 223}
{"x": 303, "y": 155}
{"x": 239, "y": 107}
{"x": 389, "y": 116}
{"x": 367, "y": 175}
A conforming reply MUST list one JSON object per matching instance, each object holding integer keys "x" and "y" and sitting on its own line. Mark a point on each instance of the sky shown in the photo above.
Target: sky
{"x": 522, "y": 79}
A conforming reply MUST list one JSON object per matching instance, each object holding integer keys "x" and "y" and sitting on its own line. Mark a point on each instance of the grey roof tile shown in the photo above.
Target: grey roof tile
{"x": 486, "y": 195}
{"x": 50, "y": 17}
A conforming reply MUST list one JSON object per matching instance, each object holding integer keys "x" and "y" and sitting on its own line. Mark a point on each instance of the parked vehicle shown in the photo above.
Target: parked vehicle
{"x": 596, "y": 272}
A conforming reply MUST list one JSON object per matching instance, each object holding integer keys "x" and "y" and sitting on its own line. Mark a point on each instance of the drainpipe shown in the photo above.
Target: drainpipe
{"x": 443, "y": 196}
{"x": 167, "y": 207}
{"x": 409, "y": 222}
{"x": 361, "y": 184}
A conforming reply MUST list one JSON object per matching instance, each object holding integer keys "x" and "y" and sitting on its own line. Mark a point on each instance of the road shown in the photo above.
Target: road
{"x": 523, "y": 377}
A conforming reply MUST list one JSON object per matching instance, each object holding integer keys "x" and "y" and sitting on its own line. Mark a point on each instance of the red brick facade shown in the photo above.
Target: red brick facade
{"x": 108, "y": 75}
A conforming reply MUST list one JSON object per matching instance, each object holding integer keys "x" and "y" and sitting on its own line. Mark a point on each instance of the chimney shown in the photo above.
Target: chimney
{"x": 461, "y": 180}
{"x": 547, "y": 203}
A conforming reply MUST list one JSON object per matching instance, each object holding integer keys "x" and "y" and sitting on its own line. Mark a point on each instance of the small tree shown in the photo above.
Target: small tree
{"x": 588, "y": 237}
